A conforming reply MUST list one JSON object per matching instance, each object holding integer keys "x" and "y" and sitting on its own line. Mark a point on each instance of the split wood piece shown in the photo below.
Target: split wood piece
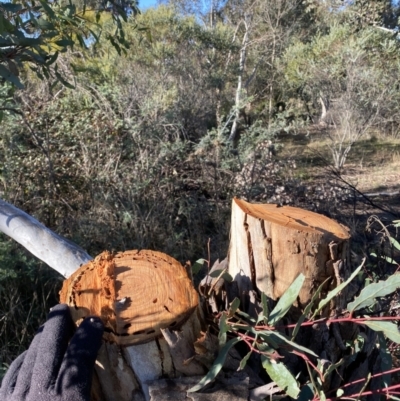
{"x": 136, "y": 294}
{"x": 271, "y": 245}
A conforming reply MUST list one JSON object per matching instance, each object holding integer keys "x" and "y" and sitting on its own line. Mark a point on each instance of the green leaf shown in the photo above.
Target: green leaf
{"x": 26, "y": 42}
{"x": 246, "y": 316}
{"x": 286, "y": 300}
{"x": 264, "y": 303}
{"x": 333, "y": 366}
{"x": 63, "y": 81}
{"x": 281, "y": 375}
{"x": 389, "y": 329}
{"x": 233, "y": 307}
{"x": 389, "y": 260}
{"x": 8, "y": 76}
{"x": 273, "y": 341}
{"x": 308, "y": 308}
{"x": 243, "y": 362}
{"x": 306, "y": 393}
{"x": 49, "y": 11}
{"x": 339, "y": 288}
{"x": 274, "y": 337}
{"x": 197, "y": 266}
{"x": 52, "y": 59}
{"x": 216, "y": 367}
{"x": 395, "y": 243}
{"x": 222, "y": 274}
{"x": 11, "y": 7}
{"x": 81, "y": 40}
{"x": 223, "y": 329}
{"x": 45, "y": 24}
{"x": 375, "y": 290}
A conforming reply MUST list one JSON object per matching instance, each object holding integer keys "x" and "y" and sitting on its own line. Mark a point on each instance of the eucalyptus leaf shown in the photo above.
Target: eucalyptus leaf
{"x": 389, "y": 329}
{"x": 273, "y": 341}
{"x": 336, "y": 291}
{"x": 10, "y": 7}
{"x": 216, "y": 367}
{"x": 281, "y": 375}
{"x": 49, "y": 11}
{"x": 371, "y": 292}
{"x": 223, "y": 329}
{"x": 222, "y": 274}
{"x": 306, "y": 393}
{"x": 277, "y": 339}
{"x": 52, "y": 59}
{"x": 197, "y": 266}
{"x": 63, "y": 81}
{"x": 264, "y": 303}
{"x": 44, "y": 24}
{"x": 243, "y": 362}
{"x": 234, "y": 306}
{"x": 246, "y": 316}
{"x": 308, "y": 308}
{"x": 333, "y": 366}
{"x": 394, "y": 243}
{"x": 286, "y": 300}
{"x": 387, "y": 258}
{"x": 64, "y": 42}
{"x": 8, "y": 76}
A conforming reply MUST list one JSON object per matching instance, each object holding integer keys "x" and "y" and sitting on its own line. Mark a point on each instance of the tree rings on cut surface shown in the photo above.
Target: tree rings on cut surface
{"x": 136, "y": 294}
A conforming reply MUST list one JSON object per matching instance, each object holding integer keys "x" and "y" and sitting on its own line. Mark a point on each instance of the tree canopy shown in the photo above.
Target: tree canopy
{"x": 35, "y": 33}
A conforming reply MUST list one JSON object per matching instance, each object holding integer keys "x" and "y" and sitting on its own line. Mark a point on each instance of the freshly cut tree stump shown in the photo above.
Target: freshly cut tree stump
{"x": 271, "y": 245}
{"x": 141, "y": 296}
{"x": 136, "y": 294}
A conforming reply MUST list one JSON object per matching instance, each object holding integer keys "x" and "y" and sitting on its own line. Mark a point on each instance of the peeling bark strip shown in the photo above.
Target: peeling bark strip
{"x": 271, "y": 245}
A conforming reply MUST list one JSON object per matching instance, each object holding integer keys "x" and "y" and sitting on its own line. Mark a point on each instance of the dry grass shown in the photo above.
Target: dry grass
{"x": 373, "y": 164}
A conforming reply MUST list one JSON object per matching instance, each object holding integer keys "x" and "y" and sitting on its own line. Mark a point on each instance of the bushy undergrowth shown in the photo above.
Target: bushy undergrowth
{"x": 28, "y": 289}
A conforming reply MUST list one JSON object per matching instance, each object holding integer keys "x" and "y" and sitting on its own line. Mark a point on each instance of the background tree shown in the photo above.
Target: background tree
{"x": 345, "y": 80}
{"x": 34, "y": 34}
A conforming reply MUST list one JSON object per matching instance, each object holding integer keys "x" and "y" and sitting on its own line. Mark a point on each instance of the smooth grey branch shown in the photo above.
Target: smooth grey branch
{"x": 56, "y": 251}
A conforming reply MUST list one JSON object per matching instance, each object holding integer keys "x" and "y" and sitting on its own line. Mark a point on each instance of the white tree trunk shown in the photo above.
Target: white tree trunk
{"x": 238, "y": 98}
{"x": 43, "y": 243}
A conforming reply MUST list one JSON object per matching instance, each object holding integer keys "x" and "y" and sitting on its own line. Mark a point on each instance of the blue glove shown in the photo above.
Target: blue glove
{"x": 55, "y": 368}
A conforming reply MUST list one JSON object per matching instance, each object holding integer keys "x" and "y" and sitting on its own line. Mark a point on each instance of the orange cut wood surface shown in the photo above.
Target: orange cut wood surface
{"x": 294, "y": 218}
{"x": 136, "y": 293}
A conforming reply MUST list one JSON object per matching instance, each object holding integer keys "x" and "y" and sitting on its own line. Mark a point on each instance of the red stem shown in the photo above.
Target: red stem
{"x": 357, "y": 320}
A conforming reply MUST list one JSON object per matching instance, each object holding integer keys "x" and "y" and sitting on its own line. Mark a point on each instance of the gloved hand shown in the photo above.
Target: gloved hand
{"x": 54, "y": 368}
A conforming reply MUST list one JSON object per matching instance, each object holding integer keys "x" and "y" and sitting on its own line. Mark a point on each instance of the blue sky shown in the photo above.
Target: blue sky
{"x": 143, "y": 4}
